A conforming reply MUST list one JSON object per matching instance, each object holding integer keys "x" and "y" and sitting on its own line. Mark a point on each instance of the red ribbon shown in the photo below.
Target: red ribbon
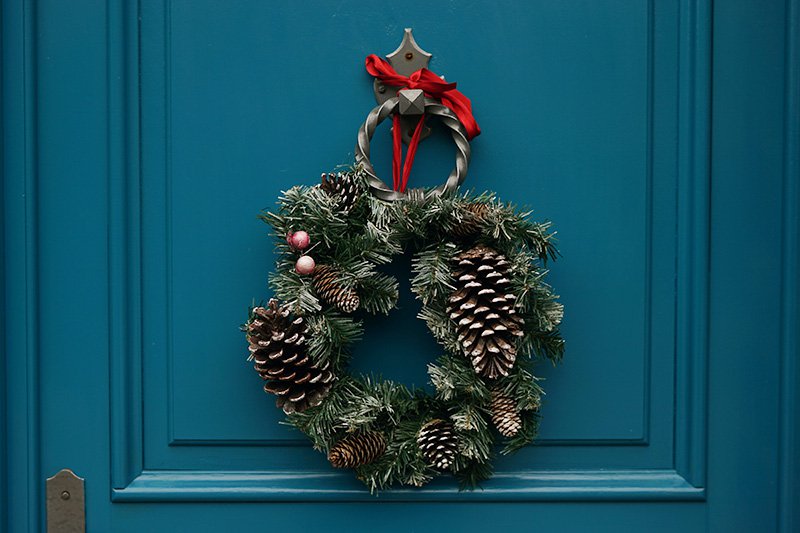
{"x": 399, "y": 181}
{"x": 434, "y": 87}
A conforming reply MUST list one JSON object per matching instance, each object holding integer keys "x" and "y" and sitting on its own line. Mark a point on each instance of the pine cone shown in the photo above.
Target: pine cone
{"x": 482, "y": 307}
{"x": 474, "y": 214}
{"x": 278, "y": 347}
{"x": 357, "y": 449}
{"x": 327, "y": 286}
{"x": 504, "y": 414}
{"x": 343, "y": 185}
{"x": 438, "y": 442}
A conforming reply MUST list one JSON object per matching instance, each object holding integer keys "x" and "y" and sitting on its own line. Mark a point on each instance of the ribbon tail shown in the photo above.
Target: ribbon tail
{"x": 397, "y": 150}
{"x": 412, "y": 152}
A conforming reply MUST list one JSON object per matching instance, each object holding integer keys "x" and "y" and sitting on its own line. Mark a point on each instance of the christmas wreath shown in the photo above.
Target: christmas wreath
{"x": 477, "y": 268}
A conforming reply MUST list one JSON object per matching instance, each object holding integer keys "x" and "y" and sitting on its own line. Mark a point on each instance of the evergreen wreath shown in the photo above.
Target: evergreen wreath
{"x": 478, "y": 267}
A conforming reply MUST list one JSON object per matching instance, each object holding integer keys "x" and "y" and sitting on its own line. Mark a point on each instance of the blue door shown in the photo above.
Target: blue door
{"x": 142, "y": 138}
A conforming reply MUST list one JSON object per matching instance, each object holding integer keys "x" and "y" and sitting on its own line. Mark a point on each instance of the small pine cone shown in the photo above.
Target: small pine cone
{"x": 474, "y": 214}
{"x": 357, "y": 449}
{"x": 505, "y": 416}
{"x": 327, "y": 286}
{"x": 278, "y": 347}
{"x": 482, "y": 307}
{"x": 343, "y": 185}
{"x": 438, "y": 442}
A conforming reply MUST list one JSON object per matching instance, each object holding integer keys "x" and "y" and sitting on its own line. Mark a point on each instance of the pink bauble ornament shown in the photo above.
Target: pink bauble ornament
{"x": 300, "y": 240}
{"x": 305, "y": 265}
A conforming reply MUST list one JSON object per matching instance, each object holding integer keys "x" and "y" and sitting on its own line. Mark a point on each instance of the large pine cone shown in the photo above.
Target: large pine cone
{"x": 438, "y": 442}
{"x": 473, "y": 215}
{"x": 482, "y": 307}
{"x": 343, "y": 185}
{"x": 505, "y": 416}
{"x": 328, "y": 288}
{"x": 278, "y": 347}
{"x": 357, "y": 449}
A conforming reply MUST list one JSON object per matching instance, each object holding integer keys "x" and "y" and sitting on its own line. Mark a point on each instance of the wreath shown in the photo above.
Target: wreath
{"x": 478, "y": 269}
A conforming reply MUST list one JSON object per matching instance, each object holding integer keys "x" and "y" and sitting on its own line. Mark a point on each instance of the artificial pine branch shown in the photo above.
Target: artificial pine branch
{"x": 322, "y": 423}
{"x": 379, "y": 293}
{"x": 402, "y": 462}
{"x": 330, "y": 333}
{"x": 455, "y": 381}
{"x": 296, "y": 291}
{"x": 507, "y": 225}
{"x": 522, "y": 385}
{"x": 439, "y": 323}
{"x": 547, "y": 345}
{"x": 475, "y": 439}
{"x": 471, "y": 474}
{"x": 432, "y": 269}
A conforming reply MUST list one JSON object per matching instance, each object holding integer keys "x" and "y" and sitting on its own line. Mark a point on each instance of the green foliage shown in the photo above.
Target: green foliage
{"x": 322, "y": 423}
{"x": 471, "y": 473}
{"x": 522, "y": 385}
{"x": 455, "y": 380}
{"x": 371, "y": 234}
{"x": 508, "y": 228}
{"x": 378, "y": 291}
{"x": 294, "y": 290}
{"x": 432, "y": 267}
{"x": 401, "y": 463}
{"x": 435, "y": 315}
{"x": 475, "y": 440}
{"x": 329, "y": 335}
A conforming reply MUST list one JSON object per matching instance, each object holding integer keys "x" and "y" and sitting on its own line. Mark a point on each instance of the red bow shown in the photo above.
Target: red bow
{"x": 432, "y": 85}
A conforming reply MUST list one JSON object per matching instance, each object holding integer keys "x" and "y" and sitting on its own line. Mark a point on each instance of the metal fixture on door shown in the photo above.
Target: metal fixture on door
{"x": 66, "y": 507}
{"x": 408, "y": 103}
{"x": 407, "y": 59}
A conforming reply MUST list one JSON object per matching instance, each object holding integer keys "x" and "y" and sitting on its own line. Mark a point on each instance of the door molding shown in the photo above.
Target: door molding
{"x": 789, "y": 418}
{"x": 19, "y": 390}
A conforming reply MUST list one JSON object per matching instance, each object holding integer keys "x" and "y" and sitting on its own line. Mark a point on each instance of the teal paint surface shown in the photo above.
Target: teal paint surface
{"x": 140, "y": 140}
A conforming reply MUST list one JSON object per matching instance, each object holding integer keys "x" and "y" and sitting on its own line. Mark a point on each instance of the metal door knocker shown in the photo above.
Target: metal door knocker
{"x": 417, "y": 92}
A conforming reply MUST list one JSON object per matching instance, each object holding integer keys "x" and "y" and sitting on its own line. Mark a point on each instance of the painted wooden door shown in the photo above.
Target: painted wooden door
{"x": 142, "y": 138}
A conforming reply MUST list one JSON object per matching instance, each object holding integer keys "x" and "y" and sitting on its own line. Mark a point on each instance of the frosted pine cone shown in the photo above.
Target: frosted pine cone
{"x": 343, "y": 185}
{"x": 438, "y": 442}
{"x": 482, "y": 306}
{"x": 505, "y": 416}
{"x": 278, "y": 347}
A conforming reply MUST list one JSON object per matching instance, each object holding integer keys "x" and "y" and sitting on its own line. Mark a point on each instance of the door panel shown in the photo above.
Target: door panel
{"x": 230, "y": 118}
{"x": 154, "y": 132}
